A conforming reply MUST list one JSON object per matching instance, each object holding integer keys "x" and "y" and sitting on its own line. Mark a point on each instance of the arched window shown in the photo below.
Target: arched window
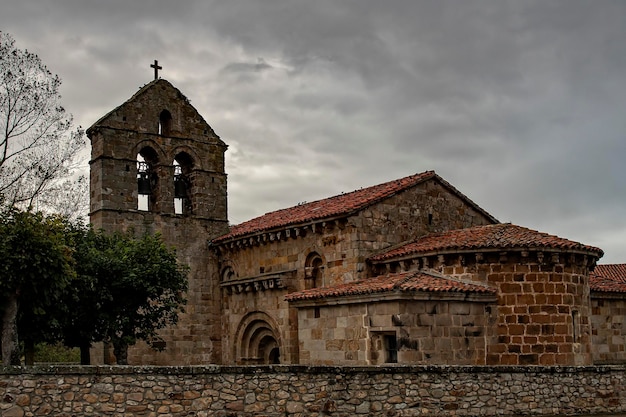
{"x": 146, "y": 178}
{"x": 228, "y": 274}
{"x": 182, "y": 183}
{"x": 165, "y": 123}
{"x": 313, "y": 271}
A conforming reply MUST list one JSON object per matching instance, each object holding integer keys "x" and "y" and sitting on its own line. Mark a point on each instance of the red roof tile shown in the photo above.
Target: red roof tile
{"x": 329, "y": 207}
{"x": 608, "y": 278}
{"x": 412, "y": 281}
{"x": 335, "y": 206}
{"x": 493, "y": 236}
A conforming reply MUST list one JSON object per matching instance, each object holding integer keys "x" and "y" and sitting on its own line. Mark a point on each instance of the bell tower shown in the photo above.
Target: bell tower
{"x": 157, "y": 166}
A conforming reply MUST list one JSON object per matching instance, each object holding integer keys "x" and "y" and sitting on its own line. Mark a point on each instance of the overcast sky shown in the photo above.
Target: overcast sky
{"x": 521, "y": 105}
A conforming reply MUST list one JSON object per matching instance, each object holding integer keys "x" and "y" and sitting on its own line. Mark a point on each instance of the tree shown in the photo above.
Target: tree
{"x": 127, "y": 289}
{"x": 96, "y": 264}
{"x": 63, "y": 281}
{"x": 36, "y": 269}
{"x": 37, "y": 147}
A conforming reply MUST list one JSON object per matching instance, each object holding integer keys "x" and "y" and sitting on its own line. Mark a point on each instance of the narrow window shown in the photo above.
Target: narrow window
{"x": 391, "y": 348}
{"x": 165, "y": 123}
{"x": 576, "y": 326}
{"x": 313, "y": 271}
{"x": 180, "y": 189}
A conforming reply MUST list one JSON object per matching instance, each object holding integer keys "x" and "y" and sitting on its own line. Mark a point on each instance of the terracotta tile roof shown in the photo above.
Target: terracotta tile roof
{"x": 336, "y": 206}
{"x": 608, "y": 278}
{"x": 412, "y": 281}
{"x": 493, "y": 236}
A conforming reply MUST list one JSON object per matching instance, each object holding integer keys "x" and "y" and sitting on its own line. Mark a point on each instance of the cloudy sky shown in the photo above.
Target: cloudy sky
{"x": 519, "y": 104}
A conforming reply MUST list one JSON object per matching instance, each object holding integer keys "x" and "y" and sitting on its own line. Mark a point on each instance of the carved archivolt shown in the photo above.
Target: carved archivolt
{"x": 257, "y": 340}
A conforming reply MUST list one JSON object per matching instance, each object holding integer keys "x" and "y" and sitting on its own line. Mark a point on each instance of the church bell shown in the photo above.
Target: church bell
{"x": 180, "y": 187}
{"x": 143, "y": 183}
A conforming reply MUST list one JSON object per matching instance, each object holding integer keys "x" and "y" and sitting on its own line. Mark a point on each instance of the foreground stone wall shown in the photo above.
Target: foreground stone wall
{"x": 313, "y": 391}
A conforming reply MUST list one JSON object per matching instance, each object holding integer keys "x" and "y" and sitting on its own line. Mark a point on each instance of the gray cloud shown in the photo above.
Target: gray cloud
{"x": 518, "y": 104}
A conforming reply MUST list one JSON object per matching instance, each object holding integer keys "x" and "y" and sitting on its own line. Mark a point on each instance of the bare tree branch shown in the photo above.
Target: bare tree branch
{"x": 38, "y": 146}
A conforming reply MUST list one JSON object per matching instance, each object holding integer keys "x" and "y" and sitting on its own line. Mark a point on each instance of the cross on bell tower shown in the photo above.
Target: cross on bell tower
{"x": 156, "y": 67}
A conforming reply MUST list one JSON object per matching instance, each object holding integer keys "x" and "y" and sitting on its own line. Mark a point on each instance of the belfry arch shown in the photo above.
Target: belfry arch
{"x": 183, "y": 165}
{"x": 257, "y": 341}
{"x": 147, "y": 178}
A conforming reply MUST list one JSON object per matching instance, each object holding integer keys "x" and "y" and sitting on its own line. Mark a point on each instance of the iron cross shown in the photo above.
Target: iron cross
{"x": 156, "y": 67}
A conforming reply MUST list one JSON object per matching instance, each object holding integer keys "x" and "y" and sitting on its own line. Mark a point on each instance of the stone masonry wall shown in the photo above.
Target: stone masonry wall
{"x": 194, "y": 339}
{"x": 343, "y": 244}
{"x": 137, "y": 126}
{"x": 426, "y": 331}
{"x": 313, "y": 391}
{"x": 543, "y": 304}
{"x": 608, "y": 327}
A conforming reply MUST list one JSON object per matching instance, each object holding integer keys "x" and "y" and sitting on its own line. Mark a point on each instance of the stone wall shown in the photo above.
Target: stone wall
{"x": 116, "y": 140}
{"x": 543, "y": 307}
{"x": 313, "y": 391}
{"x": 279, "y": 258}
{"x": 608, "y": 327}
{"x": 423, "y": 329}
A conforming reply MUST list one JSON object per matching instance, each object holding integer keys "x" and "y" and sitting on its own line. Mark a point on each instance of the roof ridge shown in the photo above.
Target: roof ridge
{"x": 409, "y": 275}
{"x": 425, "y": 174}
{"x": 333, "y": 206}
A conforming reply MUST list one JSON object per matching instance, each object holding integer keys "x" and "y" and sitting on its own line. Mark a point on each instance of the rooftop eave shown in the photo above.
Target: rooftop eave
{"x": 544, "y": 249}
{"x": 302, "y": 225}
{"x": 608, "y": 294}
{"x": 395, "y": 295}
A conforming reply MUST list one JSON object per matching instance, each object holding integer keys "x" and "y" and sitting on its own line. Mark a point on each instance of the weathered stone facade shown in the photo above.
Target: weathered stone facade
{"x": 262, "y": 269}
{"x": 313, "y": 391}
{"x": 160, "y": 125}
{"x": 543, "y": 311}
{"x": 608, "y": 324}
{"x": 427, "y": 330}
{"x": 539, "y": 314}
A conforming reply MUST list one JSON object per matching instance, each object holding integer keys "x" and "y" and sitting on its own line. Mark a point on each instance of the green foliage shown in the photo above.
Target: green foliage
{"x": 62, "y": 281}
{"x": 56, "y": 353}
{"x": 36, "y": 270}
{"x": 129, "y": 288}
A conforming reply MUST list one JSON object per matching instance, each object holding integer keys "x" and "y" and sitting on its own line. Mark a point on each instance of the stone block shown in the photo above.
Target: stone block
{"x": 460, "y": 308}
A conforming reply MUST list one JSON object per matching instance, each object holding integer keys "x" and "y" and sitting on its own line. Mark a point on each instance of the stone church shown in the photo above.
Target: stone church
{"x": 410, "y": 271}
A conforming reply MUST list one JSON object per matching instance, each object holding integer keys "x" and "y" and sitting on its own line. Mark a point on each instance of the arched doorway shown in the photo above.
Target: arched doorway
{"x": 256, "y": 341}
